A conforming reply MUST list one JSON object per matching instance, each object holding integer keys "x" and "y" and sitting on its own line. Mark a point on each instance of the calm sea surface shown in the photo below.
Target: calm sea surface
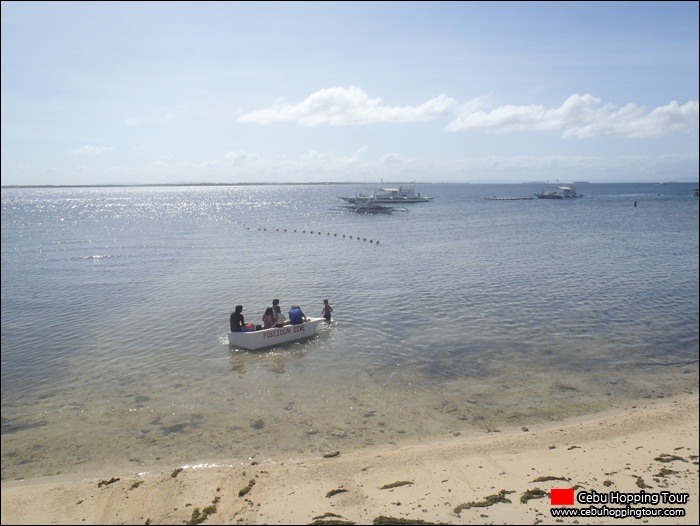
{"x": 459, "y": 316}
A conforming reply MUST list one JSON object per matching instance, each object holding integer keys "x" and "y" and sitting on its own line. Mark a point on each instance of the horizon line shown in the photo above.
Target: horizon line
{"x": 327, "y": 183}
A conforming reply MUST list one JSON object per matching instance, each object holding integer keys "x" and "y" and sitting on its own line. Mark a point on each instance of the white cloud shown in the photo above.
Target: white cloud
{"x": 579, "y": 116}
{"x": 344, "y": 106}
{"x": 582, "y": 116}
{"x": 156, "y": 166}
{"x": 360, "y": 153}
{"x": 239, "y": 157}
{"x": 91, "y": 150}
{"x": 391, "y": 160}
{"x": 313, "y": 155}
{"x": 630, "y": 121}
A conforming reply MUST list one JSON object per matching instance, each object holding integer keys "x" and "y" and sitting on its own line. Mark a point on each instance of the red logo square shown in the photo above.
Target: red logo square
{"x": 562, "y": 497}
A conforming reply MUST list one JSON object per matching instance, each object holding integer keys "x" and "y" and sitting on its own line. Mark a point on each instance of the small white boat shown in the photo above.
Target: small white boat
{"x": 255, "y": 340}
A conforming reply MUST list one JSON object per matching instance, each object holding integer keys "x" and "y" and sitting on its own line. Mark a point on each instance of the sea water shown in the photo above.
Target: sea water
{"x": 458, "y": 316}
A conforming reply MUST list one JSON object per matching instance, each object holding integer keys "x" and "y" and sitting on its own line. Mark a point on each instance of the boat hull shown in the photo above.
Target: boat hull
{"x": 401, "y": 195}
{"x": 264, "y": 338}
{"x": 508, "y": 198}
{"x": 560, "y": 192}
{"x": 369, "y": 207}
{"x": 370, "y": 210}
{"x": 385, "y": 200}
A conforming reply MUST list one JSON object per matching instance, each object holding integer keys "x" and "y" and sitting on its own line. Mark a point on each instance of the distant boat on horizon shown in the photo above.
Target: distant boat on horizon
{"x": 402, "y": 194}
{"x": 559, "y": 192}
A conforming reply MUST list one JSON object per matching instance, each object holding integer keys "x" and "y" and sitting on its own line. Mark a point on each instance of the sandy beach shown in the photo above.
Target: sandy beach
{"x": 647, "y": 452}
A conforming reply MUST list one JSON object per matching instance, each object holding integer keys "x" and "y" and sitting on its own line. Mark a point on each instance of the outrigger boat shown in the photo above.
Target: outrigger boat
{"x": 559, "y": 192}
{"x": 370, "y": 206}
{"x": 254, "y": 340}
{"x": 402, "y": 194}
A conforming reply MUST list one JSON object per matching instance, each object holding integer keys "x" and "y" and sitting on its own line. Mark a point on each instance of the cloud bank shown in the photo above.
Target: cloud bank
{"x": 91, "y": 150}
{"x": 583, "y": 116}
{"x": 578, "y": 117}
{"x": 346, "y": 106}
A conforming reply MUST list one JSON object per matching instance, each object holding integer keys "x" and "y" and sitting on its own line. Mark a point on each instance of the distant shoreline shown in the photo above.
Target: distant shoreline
{"x": 169, "y": 184}
{"x": 387, "y": 183}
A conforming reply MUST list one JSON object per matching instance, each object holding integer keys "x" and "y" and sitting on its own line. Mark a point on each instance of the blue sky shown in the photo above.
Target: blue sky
{"x": 232, "y": 92}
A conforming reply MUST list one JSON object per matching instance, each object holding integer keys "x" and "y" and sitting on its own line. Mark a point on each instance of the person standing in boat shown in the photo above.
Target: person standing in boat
{"x": 326, "y": 312}
{"x": 280, "y": 320}
{"x": 237, "y": 320}
{"x": 279, "y": 317}
{"x": 297, "y": 316}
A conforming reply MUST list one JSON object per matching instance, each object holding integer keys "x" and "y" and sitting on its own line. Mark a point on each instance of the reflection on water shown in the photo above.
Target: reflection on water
{"x": 272, "y": 361}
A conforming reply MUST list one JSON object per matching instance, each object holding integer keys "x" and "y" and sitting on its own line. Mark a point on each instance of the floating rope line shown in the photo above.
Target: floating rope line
{"x": 317, "y": 232}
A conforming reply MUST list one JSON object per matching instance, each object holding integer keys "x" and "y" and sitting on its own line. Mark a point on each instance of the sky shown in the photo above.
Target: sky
{"x": 304, "y": 92}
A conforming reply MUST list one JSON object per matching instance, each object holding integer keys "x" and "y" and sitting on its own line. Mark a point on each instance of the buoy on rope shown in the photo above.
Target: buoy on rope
{"x": 335, "y": 234}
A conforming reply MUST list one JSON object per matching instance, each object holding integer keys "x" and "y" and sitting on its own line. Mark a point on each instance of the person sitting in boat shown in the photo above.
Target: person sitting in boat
{"x": 296, "y": 316}
{"x": 280, "y": 320}
{"x": 238, "y": 322}
{"x": 269, "y": 318}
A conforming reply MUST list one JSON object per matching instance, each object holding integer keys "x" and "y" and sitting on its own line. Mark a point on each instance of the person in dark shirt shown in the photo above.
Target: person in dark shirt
{"x": 237, "y": 320}
{"x": 326, "y": 312}
{"x": 296, "y": 316}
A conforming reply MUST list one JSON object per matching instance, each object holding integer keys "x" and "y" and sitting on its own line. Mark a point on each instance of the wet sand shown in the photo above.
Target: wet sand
{"x": 500, "y": 477}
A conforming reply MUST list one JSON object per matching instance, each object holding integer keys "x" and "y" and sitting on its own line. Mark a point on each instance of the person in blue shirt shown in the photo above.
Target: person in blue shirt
{"x": 296, "y": 316}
